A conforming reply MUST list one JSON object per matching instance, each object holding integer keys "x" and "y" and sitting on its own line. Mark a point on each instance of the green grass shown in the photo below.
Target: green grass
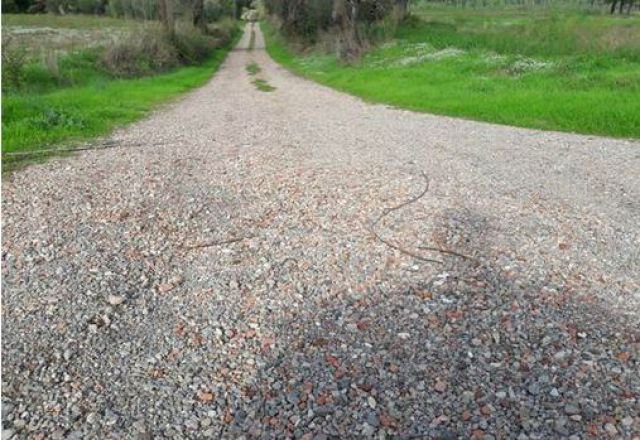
{"x": 33, "y": 121}
{"x": 263, "y": 85}
{"x": 73, "y": 69}
{"x": 253, "y": 68}
{"x": 563, "y": 71}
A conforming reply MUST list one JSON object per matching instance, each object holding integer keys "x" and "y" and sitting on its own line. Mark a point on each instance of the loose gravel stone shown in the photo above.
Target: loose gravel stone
{"x": 7, "y": 408}
{"x": 115, "y": 300}
{"x": 571, "y": 409}
{"x": 610, "y": 429}
{"x": 240, "y": 233}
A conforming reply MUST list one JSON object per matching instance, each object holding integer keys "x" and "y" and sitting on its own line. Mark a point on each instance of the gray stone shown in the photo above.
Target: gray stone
{"x": 115, "y": 300}
{"x": 7, "y": 408}
{"x": 293, "y": 398}
{"x": 534, "y": 388}
{"x": 611, "y": 429}
{"x": 324, "y": 410}
{"x": 571, "y": 409}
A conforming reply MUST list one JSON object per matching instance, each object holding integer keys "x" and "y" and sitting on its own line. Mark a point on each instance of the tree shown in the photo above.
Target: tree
{"x": 165, "y": 14}
{"x": 345, "y": 15}
{"x": 348, "y": 21}
{"x": 198, "y": 15}
{"x": 400, "y": 9}
{"x": 621, "y": 4}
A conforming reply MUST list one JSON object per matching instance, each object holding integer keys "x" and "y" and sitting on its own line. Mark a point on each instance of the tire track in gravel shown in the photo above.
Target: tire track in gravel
{"x": 309, "y": 327}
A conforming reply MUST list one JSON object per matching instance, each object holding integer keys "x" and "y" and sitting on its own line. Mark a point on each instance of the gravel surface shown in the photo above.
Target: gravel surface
{"x": 244, "y": 275}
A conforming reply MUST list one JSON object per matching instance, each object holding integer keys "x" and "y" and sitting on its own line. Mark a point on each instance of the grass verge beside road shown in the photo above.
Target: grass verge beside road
{"x": 34, "y": 121}
{"x": 495, "y": 68}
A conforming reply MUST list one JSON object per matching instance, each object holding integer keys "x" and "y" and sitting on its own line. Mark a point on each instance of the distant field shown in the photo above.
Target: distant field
{"x": 532, "y": 31}
{"x": 549, "y": 69}
{"x": 72, "y": 21}
{"x": 40, "y": 34}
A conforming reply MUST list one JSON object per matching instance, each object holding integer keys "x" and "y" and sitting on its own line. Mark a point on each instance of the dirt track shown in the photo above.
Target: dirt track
{"x": 227, "y": 279}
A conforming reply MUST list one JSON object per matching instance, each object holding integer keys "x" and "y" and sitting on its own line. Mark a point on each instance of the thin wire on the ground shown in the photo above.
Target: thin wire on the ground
{"x": 387, "y": 211}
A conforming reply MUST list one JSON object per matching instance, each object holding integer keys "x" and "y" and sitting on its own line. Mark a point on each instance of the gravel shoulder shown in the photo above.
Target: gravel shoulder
{"x": 229, "y": 279}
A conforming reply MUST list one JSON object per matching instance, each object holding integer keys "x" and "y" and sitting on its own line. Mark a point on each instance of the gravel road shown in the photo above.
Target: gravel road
{"x": 236, "y": 268}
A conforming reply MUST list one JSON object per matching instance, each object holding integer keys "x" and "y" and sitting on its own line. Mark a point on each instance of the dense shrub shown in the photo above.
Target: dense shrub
{"x": 143, "y": 52}
{"x": 214, "y": 10}
{"x": 152, "y": 50}
{"x": 223, "y": 30}
{"x": 12, "y": 6}
{"x": 191, "y": 45}
{"x": 351, "y": 24}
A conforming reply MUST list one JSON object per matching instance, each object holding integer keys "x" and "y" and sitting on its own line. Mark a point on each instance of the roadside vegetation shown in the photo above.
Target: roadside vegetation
{"x": 36, "y": 121}
{"x": 71, "y": 78}
{"x": 76, "y": 69}
{"x": 253, "y": 68}
{"x": 263, "y": 85}
{"x": 563, "y": 67}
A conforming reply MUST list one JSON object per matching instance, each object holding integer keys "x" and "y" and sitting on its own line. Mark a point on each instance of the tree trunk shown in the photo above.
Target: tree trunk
{"x": 613, "y": 6}
{"x": 165, "y": 14}
{"x": 198, "y": 15}
{"x": 344, "y": 15}
{"x": 400, "y": 9}
{"x": 293, "y": 15}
